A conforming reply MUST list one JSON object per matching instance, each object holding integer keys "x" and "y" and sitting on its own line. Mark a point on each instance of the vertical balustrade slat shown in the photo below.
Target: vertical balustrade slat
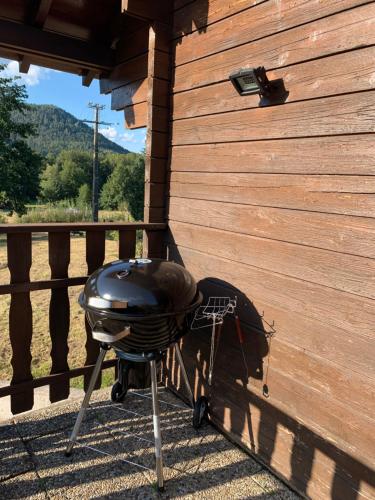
{"x": 95, "y": 252}
{"x": 20, "y": 319}
{"x": 59, "y": 312}
{"x": 154, "y": 245}
{"x": 127, "y": 244}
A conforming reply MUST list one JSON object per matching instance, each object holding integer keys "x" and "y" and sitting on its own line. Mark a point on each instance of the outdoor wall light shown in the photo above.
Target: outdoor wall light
{"x": 248, "y": 81}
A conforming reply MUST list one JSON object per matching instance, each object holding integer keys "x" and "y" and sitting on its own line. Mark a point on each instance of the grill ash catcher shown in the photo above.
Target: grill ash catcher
{"x": 139, "y": 307}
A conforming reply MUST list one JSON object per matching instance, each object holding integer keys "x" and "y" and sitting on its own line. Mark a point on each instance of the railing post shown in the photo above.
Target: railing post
{"x": 95, "y": 252}
{"x": 59, "y": 312}
{"x": 127, "y": 243}
{"x": 154, "y": 246}
{"x": 20, "y": 319}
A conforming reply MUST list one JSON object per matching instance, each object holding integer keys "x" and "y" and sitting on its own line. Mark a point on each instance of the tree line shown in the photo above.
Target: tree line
{"x": 121, "y": 180}
{"x": 28, "y": 177}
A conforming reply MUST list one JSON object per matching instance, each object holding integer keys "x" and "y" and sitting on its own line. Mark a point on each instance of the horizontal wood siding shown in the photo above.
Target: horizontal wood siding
{"x": 336, "y": 155}
{"x": 308, "y": 80}
{"x": 341, "y": 32}
{"x": 352, "y": 195}
{"x": 320, "y": 117}
{"x": 274, "y": 203}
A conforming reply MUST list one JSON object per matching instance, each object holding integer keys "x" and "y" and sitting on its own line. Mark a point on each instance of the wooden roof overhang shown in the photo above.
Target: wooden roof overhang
{"x": 77, "y": 36}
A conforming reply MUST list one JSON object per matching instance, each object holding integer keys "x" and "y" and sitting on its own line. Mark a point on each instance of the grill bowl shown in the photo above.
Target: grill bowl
{"x": 140, "y": 305}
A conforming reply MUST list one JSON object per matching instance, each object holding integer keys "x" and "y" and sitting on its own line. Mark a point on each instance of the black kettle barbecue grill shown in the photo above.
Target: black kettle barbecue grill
{"x": 139, "y": 307}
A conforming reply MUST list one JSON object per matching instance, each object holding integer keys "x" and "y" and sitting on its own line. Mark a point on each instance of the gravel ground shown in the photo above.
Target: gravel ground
{"x": 197, "y": 464}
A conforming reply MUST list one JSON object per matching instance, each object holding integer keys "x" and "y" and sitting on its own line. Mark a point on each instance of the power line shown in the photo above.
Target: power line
{"x": 95, "y": 162}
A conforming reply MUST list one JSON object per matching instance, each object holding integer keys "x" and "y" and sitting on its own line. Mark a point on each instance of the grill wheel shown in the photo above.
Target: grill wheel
{"x": 119, "y": 391}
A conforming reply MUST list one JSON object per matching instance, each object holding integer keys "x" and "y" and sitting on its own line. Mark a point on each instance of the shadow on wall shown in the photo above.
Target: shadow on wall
{"x": 239, "y": 399}
{"x": 191, "y": 17}
{"x": 250, "y": 356}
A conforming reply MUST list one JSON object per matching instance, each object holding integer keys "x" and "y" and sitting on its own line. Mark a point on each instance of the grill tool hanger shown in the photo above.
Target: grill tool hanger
{"x": 213, "y": 313}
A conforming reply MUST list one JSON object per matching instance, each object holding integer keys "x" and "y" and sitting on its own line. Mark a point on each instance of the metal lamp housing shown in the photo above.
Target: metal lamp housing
{"x": 249, "y": 81}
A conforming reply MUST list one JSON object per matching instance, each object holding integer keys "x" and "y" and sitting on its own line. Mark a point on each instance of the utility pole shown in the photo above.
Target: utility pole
{"x": 95, "y": 163}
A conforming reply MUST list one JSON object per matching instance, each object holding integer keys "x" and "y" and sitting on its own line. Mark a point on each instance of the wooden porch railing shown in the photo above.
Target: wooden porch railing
{"x": 19, "y": 249}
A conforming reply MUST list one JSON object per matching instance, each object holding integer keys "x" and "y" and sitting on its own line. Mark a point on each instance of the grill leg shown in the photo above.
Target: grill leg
{"x": 157, "y": 434}
{"x": 86, "y": 400}
{"x": 184, "y": 374}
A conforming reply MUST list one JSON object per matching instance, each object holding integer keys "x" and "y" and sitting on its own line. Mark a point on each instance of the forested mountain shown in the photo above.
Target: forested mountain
{"x": 57, "y": 130}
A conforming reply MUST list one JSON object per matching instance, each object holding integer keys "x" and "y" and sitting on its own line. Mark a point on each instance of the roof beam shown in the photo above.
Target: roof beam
{"x": 87, "y": 77}
{"x": 24, "y": 64}
{"x": 147, "y": 9}
{"x": 39, "y": 12}
{"x": 31, "y": 41}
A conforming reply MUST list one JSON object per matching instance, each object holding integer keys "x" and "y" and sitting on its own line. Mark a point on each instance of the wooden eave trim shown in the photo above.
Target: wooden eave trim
{"x": 31, "y": 41}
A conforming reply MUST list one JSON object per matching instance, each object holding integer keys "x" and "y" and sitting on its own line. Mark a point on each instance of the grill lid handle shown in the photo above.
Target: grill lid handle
{"x": 100, "y": 334}
{"x": 100, "y": 303}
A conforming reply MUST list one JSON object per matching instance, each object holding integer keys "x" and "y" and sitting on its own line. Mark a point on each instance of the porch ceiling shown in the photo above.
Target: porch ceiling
{"x": 74, "y": 36}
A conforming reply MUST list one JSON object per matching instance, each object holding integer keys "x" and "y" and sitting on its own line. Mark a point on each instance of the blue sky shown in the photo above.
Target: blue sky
{"x": 47, "y": 86}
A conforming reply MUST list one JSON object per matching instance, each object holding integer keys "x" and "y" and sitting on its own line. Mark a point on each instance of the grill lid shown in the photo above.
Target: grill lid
{"x": 139, "y": 287}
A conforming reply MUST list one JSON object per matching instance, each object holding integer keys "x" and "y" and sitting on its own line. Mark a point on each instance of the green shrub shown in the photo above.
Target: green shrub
{"x": 115, "y": 216}
{"x": 55, "y": 214}
{"x": 125, "y": 185}
{"x": 84, "y": 196}
{"x": 66, "y": 203}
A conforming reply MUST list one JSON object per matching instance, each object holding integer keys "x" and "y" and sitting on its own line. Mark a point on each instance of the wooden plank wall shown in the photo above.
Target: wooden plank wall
{"x": 275, "y": 204}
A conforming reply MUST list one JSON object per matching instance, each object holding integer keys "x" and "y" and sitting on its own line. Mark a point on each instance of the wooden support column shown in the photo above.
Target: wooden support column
{"x": 157, "y": 137}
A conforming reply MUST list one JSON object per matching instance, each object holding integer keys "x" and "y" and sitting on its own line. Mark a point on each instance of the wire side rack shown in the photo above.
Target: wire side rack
{"x": 213, "y": 312}
{"x": 212, "y": 315}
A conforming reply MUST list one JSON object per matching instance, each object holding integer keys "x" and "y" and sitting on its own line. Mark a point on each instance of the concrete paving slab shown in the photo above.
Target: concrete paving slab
{"x": 26, "y": 485}
{"x": 58, "y": 417}
{"x": 14, "y": 456}
{"x": 198, "y": 463}
{"x": 273, "y": 486}
{"x": 88, "y": 471}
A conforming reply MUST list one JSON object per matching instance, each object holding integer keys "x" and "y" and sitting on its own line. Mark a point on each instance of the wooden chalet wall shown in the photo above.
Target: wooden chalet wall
{"x": 275, "y": 204}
